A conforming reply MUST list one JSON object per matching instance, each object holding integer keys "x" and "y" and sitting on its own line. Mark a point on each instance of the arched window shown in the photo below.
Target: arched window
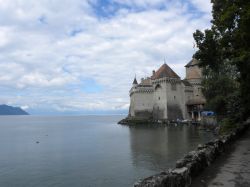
{"x": 157, "y": 86}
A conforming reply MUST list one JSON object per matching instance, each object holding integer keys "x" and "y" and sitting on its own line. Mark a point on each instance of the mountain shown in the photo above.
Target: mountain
{"x": 9, "y": 110}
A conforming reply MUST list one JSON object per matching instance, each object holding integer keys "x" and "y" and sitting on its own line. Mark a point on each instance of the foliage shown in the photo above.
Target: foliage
{"x": 226, "y": 125}
{"x": 224, "y": 53}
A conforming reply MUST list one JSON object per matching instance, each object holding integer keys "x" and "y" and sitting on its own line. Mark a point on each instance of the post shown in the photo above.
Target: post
{"x": 199, "y": 115}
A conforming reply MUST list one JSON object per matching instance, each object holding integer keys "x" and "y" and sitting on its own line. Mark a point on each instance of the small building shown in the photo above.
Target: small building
{"x": 164, "y": 96}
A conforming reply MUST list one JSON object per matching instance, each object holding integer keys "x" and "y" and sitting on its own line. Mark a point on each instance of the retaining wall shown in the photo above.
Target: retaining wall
{"x": 193, "y": 163}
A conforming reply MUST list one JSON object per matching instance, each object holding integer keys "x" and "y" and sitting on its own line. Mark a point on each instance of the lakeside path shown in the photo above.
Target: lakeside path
{"x": 232, "y": 169}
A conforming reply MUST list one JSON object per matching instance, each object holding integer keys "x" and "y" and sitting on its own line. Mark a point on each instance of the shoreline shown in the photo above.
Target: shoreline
{"x": 192, "y": 164}
{"x": 137, "y": 121}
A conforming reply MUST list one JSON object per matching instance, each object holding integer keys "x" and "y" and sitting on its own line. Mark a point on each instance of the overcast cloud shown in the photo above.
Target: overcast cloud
{"x": 80, "y": 56}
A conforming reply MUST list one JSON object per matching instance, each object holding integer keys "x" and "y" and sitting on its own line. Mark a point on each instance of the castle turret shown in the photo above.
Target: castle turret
{"x": 193, "y": 71}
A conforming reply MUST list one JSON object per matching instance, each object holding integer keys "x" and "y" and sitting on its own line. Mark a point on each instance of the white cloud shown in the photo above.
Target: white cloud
{"x": 25, "y": 107}
{"x": 50, "y": 50}
{"x": 203, "y": 5}
{"x": 141, "y": 3}
{"x": 4, "y": 36}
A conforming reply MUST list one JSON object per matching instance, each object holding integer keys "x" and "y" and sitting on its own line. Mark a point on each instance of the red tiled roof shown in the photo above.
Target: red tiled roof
{"x": 164, "y": 71}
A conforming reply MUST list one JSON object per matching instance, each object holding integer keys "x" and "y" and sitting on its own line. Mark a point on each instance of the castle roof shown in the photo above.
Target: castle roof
{"x": 192, "y": 62}
{"x": 135, "y": 81}
{"x": 164, "y": 71}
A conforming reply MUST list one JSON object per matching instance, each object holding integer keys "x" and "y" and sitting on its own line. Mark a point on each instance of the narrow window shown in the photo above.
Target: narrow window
{"x": 159, "y": 98}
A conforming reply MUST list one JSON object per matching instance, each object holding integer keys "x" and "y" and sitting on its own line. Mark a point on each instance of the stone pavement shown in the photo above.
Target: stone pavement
{"x": 232, "y": 169}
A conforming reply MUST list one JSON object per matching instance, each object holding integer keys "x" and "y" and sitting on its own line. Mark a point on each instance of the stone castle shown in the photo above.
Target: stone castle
{"x": 164, "y": 96}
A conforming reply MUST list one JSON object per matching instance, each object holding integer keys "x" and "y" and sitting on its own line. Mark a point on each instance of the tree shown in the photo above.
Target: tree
{"x": 224, "y": 53}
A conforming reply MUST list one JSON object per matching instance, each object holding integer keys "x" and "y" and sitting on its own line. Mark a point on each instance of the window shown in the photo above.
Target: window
{"x": 174, "y": 97}
{"x": 159, "y": 98}
{"x": 157, "y": 86}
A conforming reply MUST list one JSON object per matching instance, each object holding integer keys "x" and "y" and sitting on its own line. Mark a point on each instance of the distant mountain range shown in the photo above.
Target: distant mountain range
{"x": 9, "y": 110}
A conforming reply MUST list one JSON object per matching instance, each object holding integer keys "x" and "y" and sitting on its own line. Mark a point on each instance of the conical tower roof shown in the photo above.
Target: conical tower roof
{"x": 192, "y": 62}
{"x": 135, "y": 81}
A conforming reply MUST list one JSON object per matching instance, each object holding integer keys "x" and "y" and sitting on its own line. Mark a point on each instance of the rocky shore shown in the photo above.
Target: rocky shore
{"x": 193, "y": 163}
{"x": 137, "y": 121}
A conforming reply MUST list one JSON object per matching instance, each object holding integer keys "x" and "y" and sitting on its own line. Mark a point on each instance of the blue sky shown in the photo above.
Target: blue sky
{"x": 80, "y": 56}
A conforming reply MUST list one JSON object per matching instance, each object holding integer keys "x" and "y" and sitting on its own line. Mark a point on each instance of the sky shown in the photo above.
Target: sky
{"x": 81, "y": 56}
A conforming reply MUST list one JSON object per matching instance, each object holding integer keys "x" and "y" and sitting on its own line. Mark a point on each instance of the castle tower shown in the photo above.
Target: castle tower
{"x": 194, "y": 77}
{"x": 141, "y": 96}
{"x": 167, "y": 99}
{"x": 132, "y": 99}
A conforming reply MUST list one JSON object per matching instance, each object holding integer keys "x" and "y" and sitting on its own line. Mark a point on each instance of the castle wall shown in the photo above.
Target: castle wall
{"x": 141, "y": 104}
{"x": 175, "y": 101}
{"x": 197, "y": 88}
{"x": 188, "y": 95}
{"x": 160, "y": 101}
{"x": 168, "y": 99}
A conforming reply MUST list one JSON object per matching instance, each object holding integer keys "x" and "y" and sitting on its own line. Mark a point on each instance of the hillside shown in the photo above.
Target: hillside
{"x": 9, "y": 110}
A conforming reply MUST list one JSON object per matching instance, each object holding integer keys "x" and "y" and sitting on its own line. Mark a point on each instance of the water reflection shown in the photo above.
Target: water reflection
{"x": 157, "y": 148}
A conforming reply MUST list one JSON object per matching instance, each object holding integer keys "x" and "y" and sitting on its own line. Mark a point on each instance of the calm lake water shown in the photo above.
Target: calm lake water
{"x": 87, "y": 150}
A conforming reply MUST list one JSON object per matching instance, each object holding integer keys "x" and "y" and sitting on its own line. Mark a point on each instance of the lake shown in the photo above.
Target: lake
{"x": 88, "y": 150}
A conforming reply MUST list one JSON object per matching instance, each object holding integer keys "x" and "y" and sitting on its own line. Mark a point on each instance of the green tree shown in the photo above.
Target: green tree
{"x": 224, "y": 53}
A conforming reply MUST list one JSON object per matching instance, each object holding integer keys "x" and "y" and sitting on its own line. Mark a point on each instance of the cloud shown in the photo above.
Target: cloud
{"x": 141, "y": 3}
{"x": 204, "y": 6}
{"x": 82, "y": 55}
{"x": 25, "y": 107}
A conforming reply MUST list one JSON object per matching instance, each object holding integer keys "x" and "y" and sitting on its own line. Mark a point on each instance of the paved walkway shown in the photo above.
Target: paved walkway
{"x": 232, "y": 169}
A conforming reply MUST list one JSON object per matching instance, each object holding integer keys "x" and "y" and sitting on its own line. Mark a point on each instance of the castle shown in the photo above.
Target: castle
{"x": 164, "y": 96}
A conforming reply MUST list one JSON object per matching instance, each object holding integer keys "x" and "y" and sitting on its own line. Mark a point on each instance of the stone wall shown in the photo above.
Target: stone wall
{"x": 143, "y": 114}
{"x": 141, "y": 101}
{"x": 160, "y": 100}
{"x": 193, "y": 163}
{"x": 174, "y": 112}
